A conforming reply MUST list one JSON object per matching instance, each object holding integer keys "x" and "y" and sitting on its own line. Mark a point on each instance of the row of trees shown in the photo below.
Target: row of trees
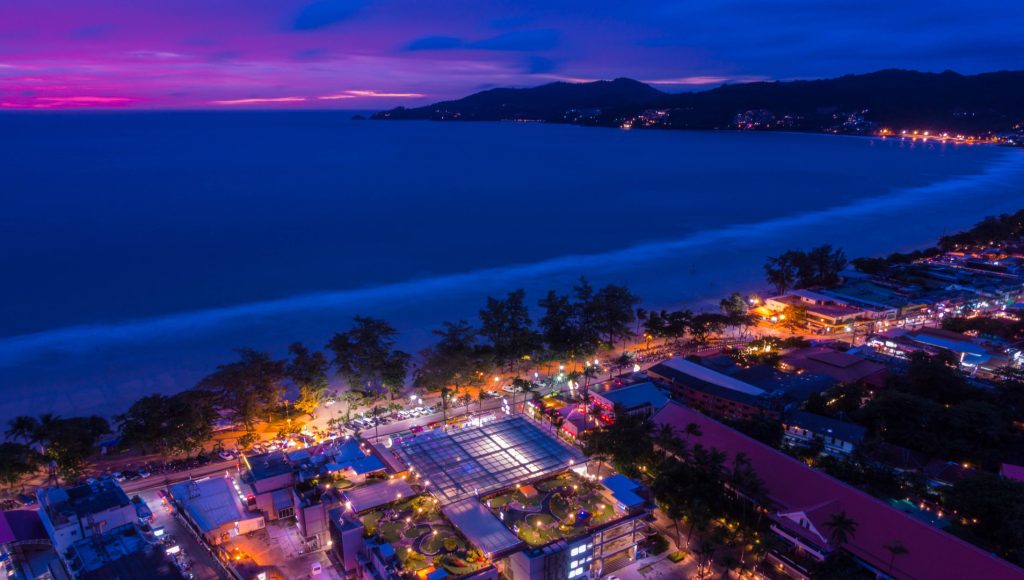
{"x": 62, "y": 444}
{"x": 674, "y": 325}
{"x": 252, "y": 388}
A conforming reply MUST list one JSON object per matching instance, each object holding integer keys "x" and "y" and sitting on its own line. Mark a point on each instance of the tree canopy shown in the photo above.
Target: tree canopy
{"x": 367, "y": 360}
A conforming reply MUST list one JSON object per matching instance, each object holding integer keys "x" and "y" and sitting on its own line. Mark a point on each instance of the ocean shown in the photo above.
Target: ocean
{"x": 138, "y": 249}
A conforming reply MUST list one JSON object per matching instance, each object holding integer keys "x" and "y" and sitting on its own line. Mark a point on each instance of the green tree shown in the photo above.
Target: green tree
{"x": 16, "y": 462}
{"x": 994, "y": 508}
{"x": 506, "y": 324}
{"x": 895, "y": 549}
{"x": 842, "y": 528}
{"x": 366, "y": 358}
{"x": 181, "y": 423}
{"x": 308, "y": 370}
{"x": 247, "y": 388}
{"x": 614, "y": 313}
{"x": 558, "y": 325}
{"x": 454, "y": 361}
{"x": 70, "y": 442}
{"x": 781, "y": 271}
{"x": 705, "y": 324}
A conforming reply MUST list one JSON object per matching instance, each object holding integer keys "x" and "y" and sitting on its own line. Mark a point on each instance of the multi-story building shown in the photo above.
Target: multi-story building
{"x": 836, "y": 437}
{"x": 70, "y": 514}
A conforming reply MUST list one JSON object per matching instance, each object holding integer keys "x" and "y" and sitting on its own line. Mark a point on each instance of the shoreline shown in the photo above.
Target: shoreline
{"x": 103, "y": 368}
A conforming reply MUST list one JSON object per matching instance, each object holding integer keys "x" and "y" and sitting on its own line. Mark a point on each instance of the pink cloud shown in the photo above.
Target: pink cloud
{"x": 255, "y": 101}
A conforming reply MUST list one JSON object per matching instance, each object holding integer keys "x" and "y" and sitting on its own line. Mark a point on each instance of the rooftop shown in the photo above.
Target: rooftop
{"x": 843, "y": 430}
{"x": 840, "y": 366}
{"x": 120, "y": 553}
{"x": 268, "y": 465}
{"x": 635, "y": 396}
{"x": 416, "y": 531}
{"x": 684, "y": 369}
{"x": 561, "y": 507}
{"x": 792, "y": 485}
{"x": 378, "y": 494}
{"x": 475, "y": 460}
{"x": 211, "y": 502}
{"x": 82, "y": 500}
{"x": 481, "y": 527}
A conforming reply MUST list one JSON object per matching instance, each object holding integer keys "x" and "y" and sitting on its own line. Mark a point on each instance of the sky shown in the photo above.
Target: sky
{"x": 375, "y": 54}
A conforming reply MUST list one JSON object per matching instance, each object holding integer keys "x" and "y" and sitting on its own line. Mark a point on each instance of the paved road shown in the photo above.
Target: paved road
{"x": 204, "y": 565}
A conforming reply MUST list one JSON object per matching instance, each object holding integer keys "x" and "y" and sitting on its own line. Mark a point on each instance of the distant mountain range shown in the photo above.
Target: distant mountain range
{"x": 888, "y": 100}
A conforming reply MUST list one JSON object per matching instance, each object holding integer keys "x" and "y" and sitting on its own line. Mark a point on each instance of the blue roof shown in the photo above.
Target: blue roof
{"x": 437, "y": 574}
{"x": 367, "y": 465}
{"x": 619, "y": 483}
{"x": 628, "y": 499}
{"x": 635, "y": 396}
{"x": 350, "y": 456}
{"x": 386, "y": 550}
{"x": 348, "y": 451}
{"x": 964, "y": 346}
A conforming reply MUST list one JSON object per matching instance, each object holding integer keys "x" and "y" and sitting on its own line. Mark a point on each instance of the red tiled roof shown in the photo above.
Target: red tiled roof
{"x": 792, "y": 485}
{"x": 841, "y": 366}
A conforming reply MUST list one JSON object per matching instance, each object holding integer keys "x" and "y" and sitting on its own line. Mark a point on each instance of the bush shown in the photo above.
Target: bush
{"x": 450, "y": 545}
{"x": 677, "y": 556}
{"x": 658, "y": 545}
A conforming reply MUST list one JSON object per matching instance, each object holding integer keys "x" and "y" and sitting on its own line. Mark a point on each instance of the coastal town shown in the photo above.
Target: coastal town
{"x": 855, "y": 418}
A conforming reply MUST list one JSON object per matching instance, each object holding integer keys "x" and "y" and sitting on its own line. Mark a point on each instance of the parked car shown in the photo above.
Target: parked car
{"x": 226, "y": 455}
{"x": 144, "y": 473}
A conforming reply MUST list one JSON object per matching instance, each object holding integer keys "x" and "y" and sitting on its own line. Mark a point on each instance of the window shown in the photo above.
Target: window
{"x": 575, "y": 564}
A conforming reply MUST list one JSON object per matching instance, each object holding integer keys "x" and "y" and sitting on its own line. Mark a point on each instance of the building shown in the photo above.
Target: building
{"x": 713, "y": 392}
{"x": 836, "y": 437}
{"x": 120, "y": 552}
{"x": 94, "y": 530}
{"x": 971, "y": 353}
{"x": 70, "y": 514}
{"x": 842, "y": 367}
{"x": 638, "y": 399}
{"x": 473, "y": 474}
{"x": 823, "y": 314}
{"x": 25, "y": 548}
{"x": 214, "y": 507}
{"x": 800, "y": 499}
{"x": 271, "y": 476}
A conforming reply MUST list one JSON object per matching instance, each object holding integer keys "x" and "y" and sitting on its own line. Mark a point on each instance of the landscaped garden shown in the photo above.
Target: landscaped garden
{"x": 564, "y": 506}
{"x": 422, "y": 537}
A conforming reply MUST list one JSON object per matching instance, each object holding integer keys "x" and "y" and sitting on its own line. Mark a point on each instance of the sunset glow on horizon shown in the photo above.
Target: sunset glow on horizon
{"x": 364, "y": 54}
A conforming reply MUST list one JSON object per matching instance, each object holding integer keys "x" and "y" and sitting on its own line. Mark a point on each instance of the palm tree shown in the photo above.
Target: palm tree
{"x": 674, "y": 511}
{"x": 23, "y": 427}
{"x": 842, "y": 527}
{"x": 895, "y": 548}
{"x": 705, "y": 551}
{"x": 692, "y": 429}
{"x": 444, "y": 403}
{"x": 666, "y": 438}
{"x": 556, "y": 423}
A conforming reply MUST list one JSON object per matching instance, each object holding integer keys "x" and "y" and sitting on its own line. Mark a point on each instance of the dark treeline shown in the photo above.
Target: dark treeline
{"x": 992, "y": 231}
{"x": 253, "y": 388}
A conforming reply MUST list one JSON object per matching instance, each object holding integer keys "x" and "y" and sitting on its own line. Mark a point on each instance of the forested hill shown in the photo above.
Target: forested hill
{"x": 982, "y": 104}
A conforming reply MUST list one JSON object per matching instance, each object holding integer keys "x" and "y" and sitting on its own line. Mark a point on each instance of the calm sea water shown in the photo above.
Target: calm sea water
{"x": 138, "y": 249}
